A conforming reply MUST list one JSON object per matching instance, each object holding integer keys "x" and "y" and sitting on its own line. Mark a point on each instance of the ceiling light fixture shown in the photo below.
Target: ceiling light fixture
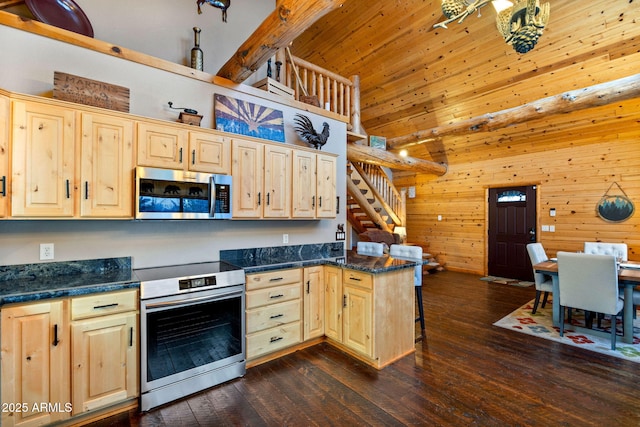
{"x": 403, "y": 153}
{"x": 521, "y": 24}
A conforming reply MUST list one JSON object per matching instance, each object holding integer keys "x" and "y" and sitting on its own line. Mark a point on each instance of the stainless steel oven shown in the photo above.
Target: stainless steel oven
{"x": 192, "y": 329}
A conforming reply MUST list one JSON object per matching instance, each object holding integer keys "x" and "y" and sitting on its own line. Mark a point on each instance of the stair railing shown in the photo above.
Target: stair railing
{"x": 392, "y": 201}
{"x": 335, "y": 93}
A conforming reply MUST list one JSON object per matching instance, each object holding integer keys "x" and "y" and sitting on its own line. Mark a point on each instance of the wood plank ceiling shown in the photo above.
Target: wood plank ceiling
{"x": 414, "y": 77}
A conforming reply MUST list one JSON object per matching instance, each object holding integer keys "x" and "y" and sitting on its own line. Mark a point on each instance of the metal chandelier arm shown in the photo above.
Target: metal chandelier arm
{"x": 471, "y": 8}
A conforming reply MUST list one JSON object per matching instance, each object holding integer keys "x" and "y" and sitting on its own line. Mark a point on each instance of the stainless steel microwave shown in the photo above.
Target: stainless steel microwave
{"x": 176, "y": 194}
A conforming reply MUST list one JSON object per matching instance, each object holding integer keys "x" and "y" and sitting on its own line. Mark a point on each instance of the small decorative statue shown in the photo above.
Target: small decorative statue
{"x": 196, "y": 52}
{"x": 278, "y": 65}
{"x": 305, "y": 129}
{"x": 269, "y": 67}
{"x": 220, "y": 4}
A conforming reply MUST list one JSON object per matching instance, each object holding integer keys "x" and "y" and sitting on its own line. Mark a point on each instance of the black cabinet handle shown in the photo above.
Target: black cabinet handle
{"x": 259, "y": 199}
{"x": 274, "y": 339}
{"x": 131, "y": 337}
{"x": 193, "y": 157}
{"x": 268, "y": 198}
{"x": 180, "y": 155}
{"x": 55, "y": 335}
{"x": 308, "y": 285}
{"x": 276, "y": 296}
{"x": 4, "y": 186}
{"x": 344, "y": 301}
{"x": 320, "y": 201}
{"x": 276, "y": 316}
{"x": 86, "y": 190}
{"x": 97, "y": 307}
{"x": 276, "y": 279}
{"x": 313, "y": 201}
{"x": 68, "y": 190}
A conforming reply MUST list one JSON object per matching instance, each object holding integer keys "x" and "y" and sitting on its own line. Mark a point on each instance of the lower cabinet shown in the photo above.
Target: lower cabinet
{"x": 273, "y": 311}
{"x": 313, "y": 302}
{"x": 357, "y": 312}
{"x": 62, "y": 358}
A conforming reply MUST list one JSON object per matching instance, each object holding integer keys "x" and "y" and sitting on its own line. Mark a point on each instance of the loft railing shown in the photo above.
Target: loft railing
{"x": 391, "y": 200}
{"x": 335, "y": 93}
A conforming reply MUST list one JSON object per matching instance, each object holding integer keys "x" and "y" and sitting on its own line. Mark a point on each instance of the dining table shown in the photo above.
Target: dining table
{"x": 628, "y": 278}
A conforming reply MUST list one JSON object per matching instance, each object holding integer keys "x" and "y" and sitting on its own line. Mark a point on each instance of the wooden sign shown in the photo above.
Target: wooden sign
{"x": 68, "y": 87}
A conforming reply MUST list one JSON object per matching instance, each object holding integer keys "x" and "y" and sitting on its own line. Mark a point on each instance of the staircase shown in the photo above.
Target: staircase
{"x": 372, "y": 200}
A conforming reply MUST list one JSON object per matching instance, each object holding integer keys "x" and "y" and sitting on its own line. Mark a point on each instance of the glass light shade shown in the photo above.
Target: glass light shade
{"x": 402, "y": 232}
{"x": 501, "y": 5}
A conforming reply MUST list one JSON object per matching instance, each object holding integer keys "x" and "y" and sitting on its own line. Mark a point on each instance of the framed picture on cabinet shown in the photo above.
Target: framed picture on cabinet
{"x": 246, "y": 118}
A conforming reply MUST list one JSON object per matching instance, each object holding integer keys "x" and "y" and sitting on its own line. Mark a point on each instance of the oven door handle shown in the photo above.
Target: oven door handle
{"x": 190, "y": 301}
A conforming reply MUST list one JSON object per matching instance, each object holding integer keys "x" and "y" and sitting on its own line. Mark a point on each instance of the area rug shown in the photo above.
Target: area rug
{"x": 505, "y": 281}
{"x": 541, "y": 325}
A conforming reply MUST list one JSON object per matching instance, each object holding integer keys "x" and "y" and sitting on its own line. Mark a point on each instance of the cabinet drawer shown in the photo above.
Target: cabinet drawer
{"x": 358, "y": 278}
{"x": 273, "y": 339}
{"x": 273, "y": 295}
{"x": 259, "y": 319}
{"x": 273, "y": 278}
{"x": 103, "y": 303}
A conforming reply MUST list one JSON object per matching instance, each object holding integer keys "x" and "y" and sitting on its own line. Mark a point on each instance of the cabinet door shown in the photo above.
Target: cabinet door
{"x": 247, "y": 169}
{"x": 106, "y": 167}
{"x": 209, "y": 153}
{"x": 277, "y": 182}
{"x": 326, "y": 187}
{"x": 104, "y": 361}
{"x": 35, "y": 364}
{"x": 161, "y": 146}
{"x": 313, "y": 302}
{"x": 333, "y": 302}
{"x": 4, "y": 156}
{"x": 304, "y": 185}
{"x": 43, "y": 160}
{"x": 358, "y": 326}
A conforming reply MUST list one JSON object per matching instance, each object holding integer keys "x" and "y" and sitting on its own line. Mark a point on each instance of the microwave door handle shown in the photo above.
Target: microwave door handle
{"x": 212, "y": 197}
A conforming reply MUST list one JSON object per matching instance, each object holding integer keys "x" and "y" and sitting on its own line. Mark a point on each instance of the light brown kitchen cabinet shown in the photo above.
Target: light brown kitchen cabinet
{"x": 209, "y": 153}
{"x": 313, "y": 296}
{"x": 35, "y": 363}
{"x": 333, "y": 302}
{"x": 371, "y": 316}
{"x": 104, "y": 350}
{"x": 261, "y": 180}
{"x": 43, "y": 153}
{"x": 106, "y": 166}
{"x": 314, "y": 185}
{"x": 162, "y": 146}
{"x": 5, "y": 182}
{"x": 273, "y": 311}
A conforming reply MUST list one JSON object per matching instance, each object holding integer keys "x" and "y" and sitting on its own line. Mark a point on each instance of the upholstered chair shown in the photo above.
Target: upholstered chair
{"x": 543, "y": 282}
{"x": 619, "y": 250}
{"x": 370, "y": 248}
{"x": 589, "y": 282}
{"x": 413, "y": 253}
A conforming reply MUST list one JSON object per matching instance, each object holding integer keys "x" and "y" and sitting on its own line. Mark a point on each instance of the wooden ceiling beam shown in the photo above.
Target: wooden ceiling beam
{"x": 376, "y": 156}
{"x": 567, "y": 102}
{"x": 290, "y": 19}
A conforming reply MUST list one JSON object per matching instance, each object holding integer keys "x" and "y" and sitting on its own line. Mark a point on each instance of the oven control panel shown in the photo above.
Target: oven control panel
{"x": 197, "y": 282}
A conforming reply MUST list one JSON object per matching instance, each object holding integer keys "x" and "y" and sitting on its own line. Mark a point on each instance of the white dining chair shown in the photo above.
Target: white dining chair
{"x": 619, "y": 250}
{"x": 589, "y": 282}
{"x": 370, "y": 248}
{"x": 543, "y": 282}
{"x": 413, "y": 253}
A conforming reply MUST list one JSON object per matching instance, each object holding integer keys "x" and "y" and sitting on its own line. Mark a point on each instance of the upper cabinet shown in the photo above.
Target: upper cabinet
{"x": 171, "y": 147}
{"x": 4, "y": 156}
{"x": 106, "y": 165}
{"x": 314, "y": 185}
{"x": 43, "y": 148}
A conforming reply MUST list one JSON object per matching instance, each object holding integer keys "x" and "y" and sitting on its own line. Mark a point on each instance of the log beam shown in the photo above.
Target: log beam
{"x": 375, "y": 156}
{"x": 580, "y": 99}
{"x": 290, "y": 19}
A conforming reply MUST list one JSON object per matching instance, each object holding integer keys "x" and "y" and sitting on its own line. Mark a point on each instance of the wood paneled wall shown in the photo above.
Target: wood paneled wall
{"x": 573, "y": 159}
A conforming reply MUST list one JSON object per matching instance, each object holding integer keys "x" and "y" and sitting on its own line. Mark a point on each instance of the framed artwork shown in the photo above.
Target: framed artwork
{"x": 245, "y": 118}
{"x": 378, "y": 142}
{"x": 615, "y": 208}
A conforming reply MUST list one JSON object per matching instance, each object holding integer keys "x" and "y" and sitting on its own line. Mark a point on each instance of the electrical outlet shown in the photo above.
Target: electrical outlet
{"x": 285, "y": 238}
{"x": 46, "y": 251}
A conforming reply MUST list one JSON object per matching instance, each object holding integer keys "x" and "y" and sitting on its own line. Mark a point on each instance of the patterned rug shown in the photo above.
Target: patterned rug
{"x": 540, "y": 325}
{"x": 505, "y": 281}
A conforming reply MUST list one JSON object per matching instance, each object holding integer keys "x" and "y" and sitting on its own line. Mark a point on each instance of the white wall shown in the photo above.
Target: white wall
{"x": 26, "y": 66}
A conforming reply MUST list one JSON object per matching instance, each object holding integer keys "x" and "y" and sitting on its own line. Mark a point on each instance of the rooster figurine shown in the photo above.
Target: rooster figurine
{"x": 305, "y": 129}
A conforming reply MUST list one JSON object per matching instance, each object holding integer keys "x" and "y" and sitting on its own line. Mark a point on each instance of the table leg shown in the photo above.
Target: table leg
{"x": 627, "y": 320}
{"x": 556, "y": 300}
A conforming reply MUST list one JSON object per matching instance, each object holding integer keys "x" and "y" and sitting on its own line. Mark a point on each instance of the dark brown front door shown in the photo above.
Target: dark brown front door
{"x": 512, "y": 225}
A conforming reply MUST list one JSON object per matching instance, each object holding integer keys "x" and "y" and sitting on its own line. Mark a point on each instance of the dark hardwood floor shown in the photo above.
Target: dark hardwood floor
{"x": 466, "y": 372}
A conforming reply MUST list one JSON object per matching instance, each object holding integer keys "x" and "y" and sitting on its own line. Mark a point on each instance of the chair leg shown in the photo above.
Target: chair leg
{"x": 544, "y": 300}
{"x": 420, "y": 311}
{"x": 561, "y": 320}
{"x": 535, "y": 303}
{"x": 614, "y": 318}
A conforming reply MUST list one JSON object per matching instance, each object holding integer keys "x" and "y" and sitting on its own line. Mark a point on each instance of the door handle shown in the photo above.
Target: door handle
{"x": 532, "y": 234}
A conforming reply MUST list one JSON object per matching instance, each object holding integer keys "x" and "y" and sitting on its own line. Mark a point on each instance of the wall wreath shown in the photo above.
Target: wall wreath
{"x": 615, "y": 207}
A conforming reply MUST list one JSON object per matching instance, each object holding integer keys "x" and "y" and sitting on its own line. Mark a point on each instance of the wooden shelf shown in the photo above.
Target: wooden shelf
{"x": 355, "y": 137}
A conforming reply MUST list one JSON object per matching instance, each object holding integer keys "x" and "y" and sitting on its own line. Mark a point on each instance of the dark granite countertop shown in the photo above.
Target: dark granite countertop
{"x": 34, "y": 282}
{"x": 350, "y": 260}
